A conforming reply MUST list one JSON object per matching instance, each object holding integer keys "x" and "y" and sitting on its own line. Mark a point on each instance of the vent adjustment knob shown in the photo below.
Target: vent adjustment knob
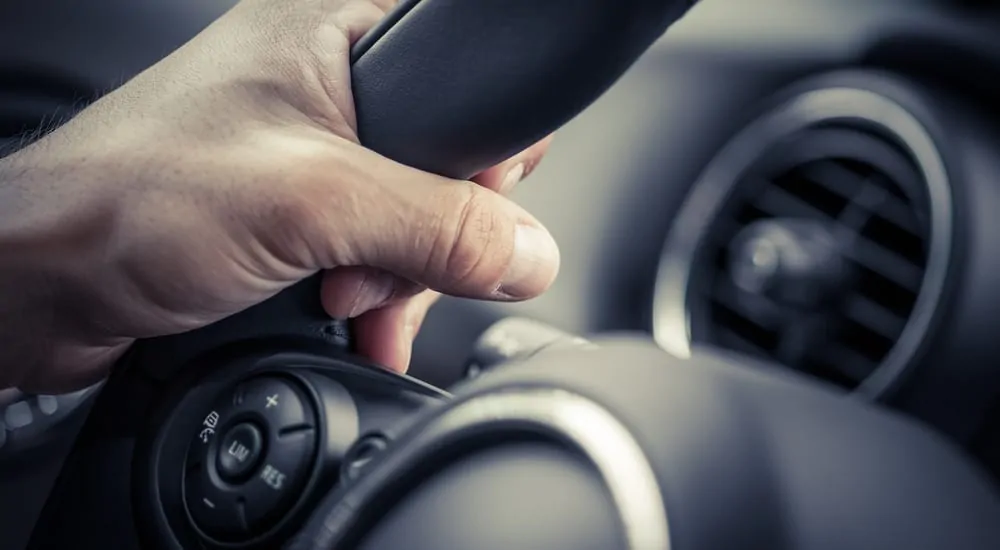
{"x": 795, "y": 262}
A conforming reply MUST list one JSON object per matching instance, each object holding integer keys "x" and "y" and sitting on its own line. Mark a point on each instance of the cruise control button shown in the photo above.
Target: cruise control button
{"x": 251, "y": 457}
{"x": 215, "y": 512}
{"x": 277, "y": 400}
{"x": 239, "y": 452}
{"x": 280, "y": 479}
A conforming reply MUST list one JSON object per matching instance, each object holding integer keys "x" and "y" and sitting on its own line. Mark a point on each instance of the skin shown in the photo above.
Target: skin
{"x": 225, "y": 173}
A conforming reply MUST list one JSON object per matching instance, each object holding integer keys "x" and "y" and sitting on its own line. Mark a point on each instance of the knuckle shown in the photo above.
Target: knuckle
{"x": 470, "y": 240}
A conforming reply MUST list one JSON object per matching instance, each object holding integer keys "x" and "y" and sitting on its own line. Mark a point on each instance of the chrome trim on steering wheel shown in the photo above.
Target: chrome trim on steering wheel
{"x": 573, "y": 419}
{"x": 607, "y": 443}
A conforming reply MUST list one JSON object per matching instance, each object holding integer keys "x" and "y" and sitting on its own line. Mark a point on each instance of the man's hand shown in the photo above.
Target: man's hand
{"x": 225, "y": 173}
{"x": 386, "y": 334}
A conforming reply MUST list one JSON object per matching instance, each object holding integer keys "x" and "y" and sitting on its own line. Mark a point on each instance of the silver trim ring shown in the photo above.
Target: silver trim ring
{"x": 671, "y": 318}
{"x": 619, "y": 459}
{"x": 594, "y": 431}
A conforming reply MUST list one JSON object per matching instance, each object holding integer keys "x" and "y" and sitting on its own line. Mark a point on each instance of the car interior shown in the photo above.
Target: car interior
{"x": 772, "y": 326}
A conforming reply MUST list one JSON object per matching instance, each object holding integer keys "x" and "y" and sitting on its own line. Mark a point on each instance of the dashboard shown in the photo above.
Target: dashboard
{"x": 633, "y": 161}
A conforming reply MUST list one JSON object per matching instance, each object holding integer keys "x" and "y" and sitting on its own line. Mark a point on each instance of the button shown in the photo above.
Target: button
{"x": 275, "y": 399}
{"x": 250, "y": 458}
{"x": 48, "y": 404}
{"x": 219, "y": 514}
{"x": 205, "y": 434}
{"x": 280, "y": 479}
{"x": 367, "y": 449}
{"x": 239, "y": 452}
{"x": 18, "y": 415}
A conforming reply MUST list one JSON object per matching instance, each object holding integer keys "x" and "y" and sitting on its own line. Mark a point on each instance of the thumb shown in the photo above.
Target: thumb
{"x": 455, "y": 237}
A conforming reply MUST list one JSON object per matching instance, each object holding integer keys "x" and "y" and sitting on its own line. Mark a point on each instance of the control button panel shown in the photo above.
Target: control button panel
{"x": 250, "y": 458}
{"x": 239, "y": 452}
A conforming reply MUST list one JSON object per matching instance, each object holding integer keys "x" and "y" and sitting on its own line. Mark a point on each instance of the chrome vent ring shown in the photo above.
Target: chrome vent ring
{"x": 846, "y": 164}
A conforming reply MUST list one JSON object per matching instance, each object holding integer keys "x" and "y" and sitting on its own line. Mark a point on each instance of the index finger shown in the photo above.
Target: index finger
{"x": 517, "y": 168}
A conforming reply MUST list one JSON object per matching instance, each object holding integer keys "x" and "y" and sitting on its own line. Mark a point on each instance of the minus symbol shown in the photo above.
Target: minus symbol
{"x": 208, "y": 503}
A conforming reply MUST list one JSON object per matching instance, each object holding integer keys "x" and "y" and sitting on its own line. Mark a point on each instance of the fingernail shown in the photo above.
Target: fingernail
{"x": 533, "y": 265}
{"x": 374, "y": 291}
{"x": 513, "y": 177}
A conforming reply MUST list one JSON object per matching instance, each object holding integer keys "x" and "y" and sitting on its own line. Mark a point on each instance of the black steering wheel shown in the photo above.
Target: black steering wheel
{"x": 264, "y": 431}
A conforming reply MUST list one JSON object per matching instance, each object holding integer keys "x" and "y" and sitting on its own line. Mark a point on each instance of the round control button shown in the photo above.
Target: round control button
{"x": 281, "y": 477}
{"x": 277, "y": 402}
{"x": 367, "y": 449}
{"x": 250, "y": 458}
{"x": 219, "y": 513}
{"x": 239, "y": 452}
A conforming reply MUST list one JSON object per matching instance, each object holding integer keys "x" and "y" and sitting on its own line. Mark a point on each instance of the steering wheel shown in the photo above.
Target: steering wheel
{"x": 264, "y": 431}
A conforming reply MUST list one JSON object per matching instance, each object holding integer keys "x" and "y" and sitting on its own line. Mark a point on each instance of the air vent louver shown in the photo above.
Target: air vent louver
{"x": 867, "y": 196}
{"x": 819, "y": 238}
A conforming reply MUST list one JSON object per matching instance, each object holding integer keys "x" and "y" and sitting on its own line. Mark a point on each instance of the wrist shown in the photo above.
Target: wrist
{"x": 43, "y": 246}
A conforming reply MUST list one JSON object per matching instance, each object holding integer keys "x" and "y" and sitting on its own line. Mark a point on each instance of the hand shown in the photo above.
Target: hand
{"x": 388, "y": 310}
{"x": 223, "y": 174}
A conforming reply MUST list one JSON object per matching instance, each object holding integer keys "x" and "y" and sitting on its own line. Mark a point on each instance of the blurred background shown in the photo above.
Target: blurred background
{"x": 812, "y": 182}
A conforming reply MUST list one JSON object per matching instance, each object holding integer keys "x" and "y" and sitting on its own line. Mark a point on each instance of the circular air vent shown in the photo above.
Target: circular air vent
{"x": 818, "y": 239}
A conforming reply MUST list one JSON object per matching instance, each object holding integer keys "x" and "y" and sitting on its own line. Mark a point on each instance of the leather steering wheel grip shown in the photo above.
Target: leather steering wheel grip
{"x": 738, "y": 456}
{"x": 455, "y": 86}
{"x": 452, "y": 87}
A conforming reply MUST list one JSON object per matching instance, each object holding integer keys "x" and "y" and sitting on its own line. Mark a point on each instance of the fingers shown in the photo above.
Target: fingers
{"x": 348, "y": 292}
{"x": 389, "y": 309}
{"x": 503, "y": 177}
{"x": 357, "y": 17}
{"x": 386, "y": 335}
{"x": 451, "y": 236}
{"x": 385, "y": 5}
{"x": 476, "y": 244}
